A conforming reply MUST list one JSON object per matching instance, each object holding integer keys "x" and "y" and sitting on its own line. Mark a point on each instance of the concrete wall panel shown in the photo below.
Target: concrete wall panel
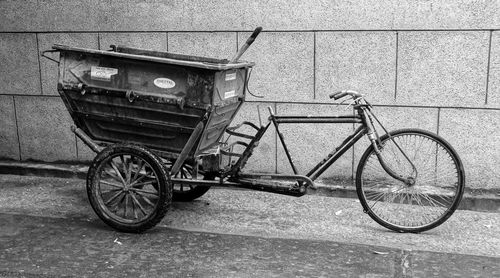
{"x": 19, "y": 68}
{"x": 462, "y": 14}
{"x": 442, "y": 68}
{"x": 475, "y": 135}
{"x": 285, "y": 66}
{"x": 49, "y": 69}
{"x": 361, "y": 61}
{"x": 494, "y": 77}
{"x": 44, "y": 129}
{"x": 9, "y": 142}
{"x": 214, "y": 45}
{"x": 200, "y": 15}
{"x": 50, "y": 15}
{"x": 19, "y": 16}
{"x": 153, "y": 41}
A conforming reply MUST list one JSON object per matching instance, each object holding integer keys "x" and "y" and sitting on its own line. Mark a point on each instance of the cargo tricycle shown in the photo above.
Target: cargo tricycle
{"x": 160, "y": 125}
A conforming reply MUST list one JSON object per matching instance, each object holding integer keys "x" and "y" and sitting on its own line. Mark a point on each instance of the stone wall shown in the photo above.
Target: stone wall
{"x": 427, "y": 64}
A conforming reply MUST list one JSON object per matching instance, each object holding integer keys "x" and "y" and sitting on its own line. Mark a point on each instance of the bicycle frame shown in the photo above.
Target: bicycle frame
{"x": 362, "y": 116}
{"x": 334, "y": 155}
{"x": 359, "y": 118}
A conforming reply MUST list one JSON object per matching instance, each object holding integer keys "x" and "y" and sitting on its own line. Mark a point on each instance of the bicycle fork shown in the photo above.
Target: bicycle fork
{"x": 377, "y": 147}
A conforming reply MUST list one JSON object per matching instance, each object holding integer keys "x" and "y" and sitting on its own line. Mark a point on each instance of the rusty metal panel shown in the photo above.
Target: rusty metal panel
{"x": 156, "y": 104}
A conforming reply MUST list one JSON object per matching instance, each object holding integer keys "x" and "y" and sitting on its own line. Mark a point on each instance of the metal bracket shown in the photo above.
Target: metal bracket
{"x": 47, "y": 51}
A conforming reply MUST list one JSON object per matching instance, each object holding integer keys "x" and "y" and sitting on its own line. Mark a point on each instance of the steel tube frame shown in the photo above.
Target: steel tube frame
{"x": 333, "y": 156}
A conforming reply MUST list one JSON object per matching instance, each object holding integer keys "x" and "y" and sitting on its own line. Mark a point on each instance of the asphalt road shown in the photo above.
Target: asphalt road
{"x": 47, "y": 229}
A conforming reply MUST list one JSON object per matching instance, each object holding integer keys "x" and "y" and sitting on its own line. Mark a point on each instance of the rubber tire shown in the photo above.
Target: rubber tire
{"x": 164, "y": 188}
{"x": 195, "y": 193}
{"x": 445, "y": 216}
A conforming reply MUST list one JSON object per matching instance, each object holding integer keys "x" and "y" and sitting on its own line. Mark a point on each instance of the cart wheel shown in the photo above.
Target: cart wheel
{"x": 187, "y": 192}
{"x": 120, "y": 188}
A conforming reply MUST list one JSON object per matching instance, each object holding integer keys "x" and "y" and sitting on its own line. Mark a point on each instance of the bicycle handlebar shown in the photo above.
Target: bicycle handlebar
{"x": 342, "y": 94}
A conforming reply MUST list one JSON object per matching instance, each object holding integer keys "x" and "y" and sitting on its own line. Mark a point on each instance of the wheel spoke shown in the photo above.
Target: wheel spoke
{"x": 113, "y": 206}
{"x": 111, "y": 174}
{"x": 144, "y": 183}
{"x": 134, "y": 209}
{"x": 113, "y": 165}
{"x": 146, "y": 199}
{"x": 116, "y": 195}
{"x": 112, "y": 184}
{"x": 126, "y": 205}
{"x": 129, "y": 169}
{"x": 139, "y": 168}
{"x": 134, "y": 199}
{"x": 144, "y": 191}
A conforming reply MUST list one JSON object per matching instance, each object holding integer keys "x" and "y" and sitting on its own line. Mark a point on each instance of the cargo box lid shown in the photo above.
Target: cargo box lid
{"x": 166, "y": 58}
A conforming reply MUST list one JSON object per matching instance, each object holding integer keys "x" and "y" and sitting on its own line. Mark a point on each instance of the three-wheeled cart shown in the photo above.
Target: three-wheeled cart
{"x": 157, "y": 122}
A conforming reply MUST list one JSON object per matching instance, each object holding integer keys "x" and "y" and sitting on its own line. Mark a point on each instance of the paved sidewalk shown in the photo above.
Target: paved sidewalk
{"x": 63, "y": 247}
{"x": 264, "y": 215}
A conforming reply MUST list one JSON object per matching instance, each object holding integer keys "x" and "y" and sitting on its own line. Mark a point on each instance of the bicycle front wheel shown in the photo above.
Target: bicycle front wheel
{"x": 434, "y": 181}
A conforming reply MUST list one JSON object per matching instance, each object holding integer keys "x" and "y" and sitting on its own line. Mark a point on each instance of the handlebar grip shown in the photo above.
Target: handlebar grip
{"x": 254, "y": 35}
{"x": 338, "y": 95}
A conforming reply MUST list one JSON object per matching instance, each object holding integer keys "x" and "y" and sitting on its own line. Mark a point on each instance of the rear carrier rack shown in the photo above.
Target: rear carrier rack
{"x": 233, "y": 153}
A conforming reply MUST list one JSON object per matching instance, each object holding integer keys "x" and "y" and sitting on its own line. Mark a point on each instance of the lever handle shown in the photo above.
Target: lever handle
{"x": 245, "y": 46}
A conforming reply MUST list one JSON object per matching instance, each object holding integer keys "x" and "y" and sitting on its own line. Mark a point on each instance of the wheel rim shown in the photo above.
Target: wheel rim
{"x": 420, "y": 204}
{"x": 126, "y": 190}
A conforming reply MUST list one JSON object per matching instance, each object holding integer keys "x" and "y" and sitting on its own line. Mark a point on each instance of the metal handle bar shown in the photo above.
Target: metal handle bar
{"x": 342, "y": 94}
{"x": 245, "y": 46}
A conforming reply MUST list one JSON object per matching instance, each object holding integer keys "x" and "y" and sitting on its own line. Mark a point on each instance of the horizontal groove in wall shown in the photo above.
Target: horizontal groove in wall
{"x": 249, "y": 30}
{"x": 312, "y": 103}
{"x": 378, "y": 105}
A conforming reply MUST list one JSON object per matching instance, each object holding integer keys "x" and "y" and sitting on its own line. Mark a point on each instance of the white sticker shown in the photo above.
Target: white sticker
{"x": 164, "y": 83}
{"x": 102, "y": 73}
{"x": 229, "y": 94}
{"x": 230, "y": 76}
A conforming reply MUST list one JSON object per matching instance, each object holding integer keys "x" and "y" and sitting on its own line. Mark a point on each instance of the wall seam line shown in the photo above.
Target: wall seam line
{"x": 438, "y": 120}
{"x": 237, "y": 42}
{"x": 314, "y": 65}
{"x": 396, "y": 71}
{"x": 17, "y": 127}
{"x": 239, "y": 30}
{"x": 39, "y": 64}
{"x": 166, "y": 38}
{"x": 353, "y": 165}
{"x": 99, "y": 40}
{"x": 316, "y": 103}
{"x": 275, "y": 142}
{"x": 488, "y": 69}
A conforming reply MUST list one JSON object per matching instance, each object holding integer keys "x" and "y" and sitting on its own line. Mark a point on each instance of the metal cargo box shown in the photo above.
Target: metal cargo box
{"x": 150, "y": 98}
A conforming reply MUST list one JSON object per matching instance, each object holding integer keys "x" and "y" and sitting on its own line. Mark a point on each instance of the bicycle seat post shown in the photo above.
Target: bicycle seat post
{"x": 258, "y": 113}
{"x": 270, "y": 110}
